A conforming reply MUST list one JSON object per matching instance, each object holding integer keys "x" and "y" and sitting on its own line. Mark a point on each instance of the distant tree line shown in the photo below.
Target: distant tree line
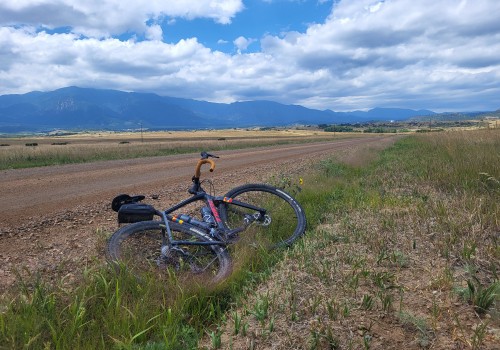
{"x": 394, "y": 127}
{"x": 338, "y": 128}
{"x": 367, "y": 128}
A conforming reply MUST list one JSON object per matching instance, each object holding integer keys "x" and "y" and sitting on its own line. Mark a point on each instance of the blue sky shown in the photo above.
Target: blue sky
{"x": 257, "y": 19}
{"x": 341, "y": 55}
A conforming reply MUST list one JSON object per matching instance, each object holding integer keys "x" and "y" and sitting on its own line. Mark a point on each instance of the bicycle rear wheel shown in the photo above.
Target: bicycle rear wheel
{"x": 138, "y": 246}
{"x": 284, "y": 222}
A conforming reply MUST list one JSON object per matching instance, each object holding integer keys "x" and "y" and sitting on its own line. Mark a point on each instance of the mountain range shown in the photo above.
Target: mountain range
{"x": 75, "y": 108}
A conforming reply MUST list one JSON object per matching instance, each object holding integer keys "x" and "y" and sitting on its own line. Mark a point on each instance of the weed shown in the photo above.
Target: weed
{"x": 489, "y": 182}
{"x": 270, "y": 327}
{"x": 292, "y": 303}
{"x": 346, "y": 310}
{"x": 382, "y": 256}
{"x": 315, "y": 340}
{"x": 332, "y": 341}
{"x": 419, "y": 324}
{"x": 478, "y": 336}
{"x": 261, "y": 308}
{"x": 314, "y": 302}
{"x": 367, "y": 341}
{"x": 482, "y": 298}
{"x": 399, "y": 259}
{"x": 332, "y": 309}
{"x": 237, "y": 323}
{"x": 354, "y": 282}
{"x": 215, "y": 338}
{"x": 468, "y": 250}
{"x": 244, "y": 329}
{"x": 367, "y": 302}
{"x": 443, "y": 280}
{"x": 386, "y": 300}
{"x": 435, "y": 310}
{"x": 383, "y": 280}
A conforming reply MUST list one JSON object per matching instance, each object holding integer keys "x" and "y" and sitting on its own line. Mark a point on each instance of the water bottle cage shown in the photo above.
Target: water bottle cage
{"x": 207, "y": 216}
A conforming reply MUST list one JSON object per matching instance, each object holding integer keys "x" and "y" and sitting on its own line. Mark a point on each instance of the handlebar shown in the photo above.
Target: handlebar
{"x": 205, "y": 155}
{"x": 197, "y": 172}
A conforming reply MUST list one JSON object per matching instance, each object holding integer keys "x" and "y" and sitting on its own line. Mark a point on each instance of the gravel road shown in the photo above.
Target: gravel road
{"x": 54, "y": 220}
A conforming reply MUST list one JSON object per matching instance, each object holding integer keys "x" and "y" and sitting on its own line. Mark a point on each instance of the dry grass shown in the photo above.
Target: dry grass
{"x": 392, "y": 261}
{"x": 104, "y": 146}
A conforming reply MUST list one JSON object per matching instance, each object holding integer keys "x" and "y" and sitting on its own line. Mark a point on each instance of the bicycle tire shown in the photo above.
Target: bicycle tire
{"x": 288, "y": 220}
{"x": 138, "y": 247}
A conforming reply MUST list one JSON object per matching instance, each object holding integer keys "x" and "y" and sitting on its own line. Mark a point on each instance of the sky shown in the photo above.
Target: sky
{"x": 342, "y": 55}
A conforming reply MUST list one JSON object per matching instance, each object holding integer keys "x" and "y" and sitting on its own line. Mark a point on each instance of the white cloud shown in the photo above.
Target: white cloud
{"x": 103, "y": 18}
{"x": 154, "y": 32}
{"x": 242, "y": 43}
{"x": 400, "y": 53}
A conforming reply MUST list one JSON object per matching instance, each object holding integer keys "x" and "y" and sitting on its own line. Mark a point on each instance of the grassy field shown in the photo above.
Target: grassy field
{"x": 22, "y": 152}
{"x": 401, "y": 252}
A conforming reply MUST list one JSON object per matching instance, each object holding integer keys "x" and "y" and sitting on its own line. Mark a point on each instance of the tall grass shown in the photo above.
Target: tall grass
{"x": 109, "y": 311}
{"x": 389, "y": 245}
{"x": 401, "y": 253}
{"x": 460, "y": 160}
{"x": 120, "y": 310}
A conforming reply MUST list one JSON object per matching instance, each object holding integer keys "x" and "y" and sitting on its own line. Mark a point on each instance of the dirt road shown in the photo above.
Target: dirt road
{"x": 54, "y": 220}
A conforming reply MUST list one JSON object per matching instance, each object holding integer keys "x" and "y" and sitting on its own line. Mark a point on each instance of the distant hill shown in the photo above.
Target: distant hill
{"x": 75, "y": 108}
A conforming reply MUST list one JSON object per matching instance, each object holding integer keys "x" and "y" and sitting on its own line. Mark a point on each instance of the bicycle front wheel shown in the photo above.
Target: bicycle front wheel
{"x": 138, "y": 246}
{"x": 284, "y": 220}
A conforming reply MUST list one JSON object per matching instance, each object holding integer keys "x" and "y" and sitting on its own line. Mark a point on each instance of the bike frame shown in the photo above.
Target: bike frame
{"x": 209, "y": 230}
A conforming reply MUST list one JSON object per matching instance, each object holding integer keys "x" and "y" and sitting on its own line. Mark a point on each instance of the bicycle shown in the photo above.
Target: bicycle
{"x": 185, "y": 245}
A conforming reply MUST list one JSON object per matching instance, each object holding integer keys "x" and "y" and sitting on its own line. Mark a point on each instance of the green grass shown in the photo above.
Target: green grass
{"x": 390, "y": 242}
{"x": 109, "y": 310}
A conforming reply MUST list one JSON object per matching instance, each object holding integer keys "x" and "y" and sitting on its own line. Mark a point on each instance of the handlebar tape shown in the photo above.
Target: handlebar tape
{"x": 197, "y": 172}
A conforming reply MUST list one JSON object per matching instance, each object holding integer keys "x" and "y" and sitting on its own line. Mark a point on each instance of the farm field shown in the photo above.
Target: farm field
{"x": 159, "y": 136}
{"x": 29, "y": 151}
{"x": 401, "y": 251}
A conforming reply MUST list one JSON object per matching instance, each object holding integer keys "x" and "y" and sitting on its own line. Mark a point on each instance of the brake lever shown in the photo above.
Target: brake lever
{"x": 205, "y": 155}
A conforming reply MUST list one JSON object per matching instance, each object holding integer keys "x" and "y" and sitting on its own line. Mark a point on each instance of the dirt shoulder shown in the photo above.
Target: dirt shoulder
{"x": 54, "y": 220}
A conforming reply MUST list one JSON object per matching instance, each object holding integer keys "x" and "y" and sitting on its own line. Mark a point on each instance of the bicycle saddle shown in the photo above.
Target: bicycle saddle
{"x": 122, "y": 199}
